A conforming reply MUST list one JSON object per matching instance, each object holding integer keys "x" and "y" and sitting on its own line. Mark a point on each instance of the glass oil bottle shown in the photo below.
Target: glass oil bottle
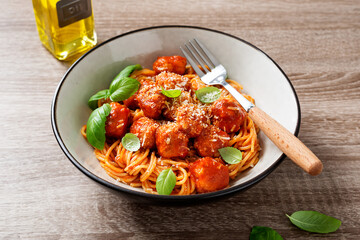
{"x": 66, "y": 27}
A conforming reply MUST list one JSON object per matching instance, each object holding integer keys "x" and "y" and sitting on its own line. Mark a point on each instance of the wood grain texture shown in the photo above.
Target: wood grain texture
{"x": 316, "y": 43}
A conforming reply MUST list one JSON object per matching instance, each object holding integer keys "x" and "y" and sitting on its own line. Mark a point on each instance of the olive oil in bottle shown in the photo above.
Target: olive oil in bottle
{"x": 66, "y": 27}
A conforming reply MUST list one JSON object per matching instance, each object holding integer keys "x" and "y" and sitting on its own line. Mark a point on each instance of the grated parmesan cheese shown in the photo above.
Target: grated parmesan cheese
{"x": 142, "y": 144}
{"x": 234, "y": 108}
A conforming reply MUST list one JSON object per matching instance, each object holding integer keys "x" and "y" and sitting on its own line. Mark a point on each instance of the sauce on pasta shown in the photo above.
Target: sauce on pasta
{"x": 180, "y": 133}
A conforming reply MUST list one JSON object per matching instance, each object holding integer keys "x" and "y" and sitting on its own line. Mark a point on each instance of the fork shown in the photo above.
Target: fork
{"x": 213, "y": 73}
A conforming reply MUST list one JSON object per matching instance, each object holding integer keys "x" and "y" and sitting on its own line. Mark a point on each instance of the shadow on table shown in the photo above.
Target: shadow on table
{"x": 283, "y": 192}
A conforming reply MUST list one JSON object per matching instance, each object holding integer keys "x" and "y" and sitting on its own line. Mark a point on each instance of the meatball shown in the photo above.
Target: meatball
{"x": 170, "y": 80}
{"x": 171, "y": 142}
{"x": 227, "y": 115}
{"x": 209, "y": 174}
{"x": 210, "y": 140}
{"x": 117, "y": 121}
{"x": 132, "y": 102}
{"x": 175, "y": 64}
{"x": 150, "y": 99}
{"x": 191, "y": 119}
{"x": 145, "y": 128}
{"x": 173, "y": 104}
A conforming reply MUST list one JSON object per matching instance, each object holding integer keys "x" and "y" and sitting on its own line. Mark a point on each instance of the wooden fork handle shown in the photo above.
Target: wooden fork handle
{"x": 286, "y": 142}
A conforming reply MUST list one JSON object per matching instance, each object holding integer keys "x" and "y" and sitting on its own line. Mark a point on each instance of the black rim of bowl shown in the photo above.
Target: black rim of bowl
{"x": 219, "y": 193}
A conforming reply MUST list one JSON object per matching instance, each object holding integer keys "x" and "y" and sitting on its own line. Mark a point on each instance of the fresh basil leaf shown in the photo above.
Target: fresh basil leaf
{"x": 313, "y": 221}
{"x": 131, "y": 142}
{"x": 231, "y": 155}
{"x": 124, "y": 73}
{"x": 264, "y": 233}
{"x": 165, "y": 182}
{"x": 129, "y": 69}
{"x": 99, "y": 95}
{"x": 173, "y": 93}
{"x": 208, "y": 94}
{"x": 95, "y": 127}
{"x": 124, "y": 89}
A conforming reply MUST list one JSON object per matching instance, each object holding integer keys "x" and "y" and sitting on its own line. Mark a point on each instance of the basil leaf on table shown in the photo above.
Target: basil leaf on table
{"x": 313, "y": 221}
{"x": 124, "y": 73}
{"x": 99, "y": 95}
{"x": 264, "y": 233}
{"x": 208, "y": 94}
{"x": 231, "y": 155}
{"x": 123, "y": 89}
{"x": 173, "y": 93}
{"x": 131, "y": 142}
{"x": 165, "y": 182}
{"x": 95, "y": 127}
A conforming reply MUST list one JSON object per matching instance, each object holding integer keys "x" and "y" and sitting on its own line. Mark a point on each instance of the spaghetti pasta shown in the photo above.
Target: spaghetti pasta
{"x": 141, "y": 168}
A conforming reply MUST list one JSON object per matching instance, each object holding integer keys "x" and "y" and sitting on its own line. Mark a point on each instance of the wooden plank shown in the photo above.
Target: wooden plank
{"x": 43, "y": 196}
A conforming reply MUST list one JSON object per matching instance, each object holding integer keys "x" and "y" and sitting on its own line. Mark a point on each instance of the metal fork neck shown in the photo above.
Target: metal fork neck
{"x": 246, "y": 104}
{"x": 216, "y": 76}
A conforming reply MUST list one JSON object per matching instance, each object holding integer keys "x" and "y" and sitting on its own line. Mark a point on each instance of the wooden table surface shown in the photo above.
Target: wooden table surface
{"x": 316, "y": 43}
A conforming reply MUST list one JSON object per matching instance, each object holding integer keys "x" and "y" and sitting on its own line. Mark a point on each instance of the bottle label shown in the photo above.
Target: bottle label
{"x": 70, "y": 11}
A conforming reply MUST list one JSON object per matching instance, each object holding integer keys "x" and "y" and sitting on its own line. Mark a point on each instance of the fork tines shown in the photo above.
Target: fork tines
{"x": 198, "y": 56}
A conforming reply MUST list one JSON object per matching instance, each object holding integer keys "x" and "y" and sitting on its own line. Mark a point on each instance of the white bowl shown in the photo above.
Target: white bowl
{"x": 260, "y": 76}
